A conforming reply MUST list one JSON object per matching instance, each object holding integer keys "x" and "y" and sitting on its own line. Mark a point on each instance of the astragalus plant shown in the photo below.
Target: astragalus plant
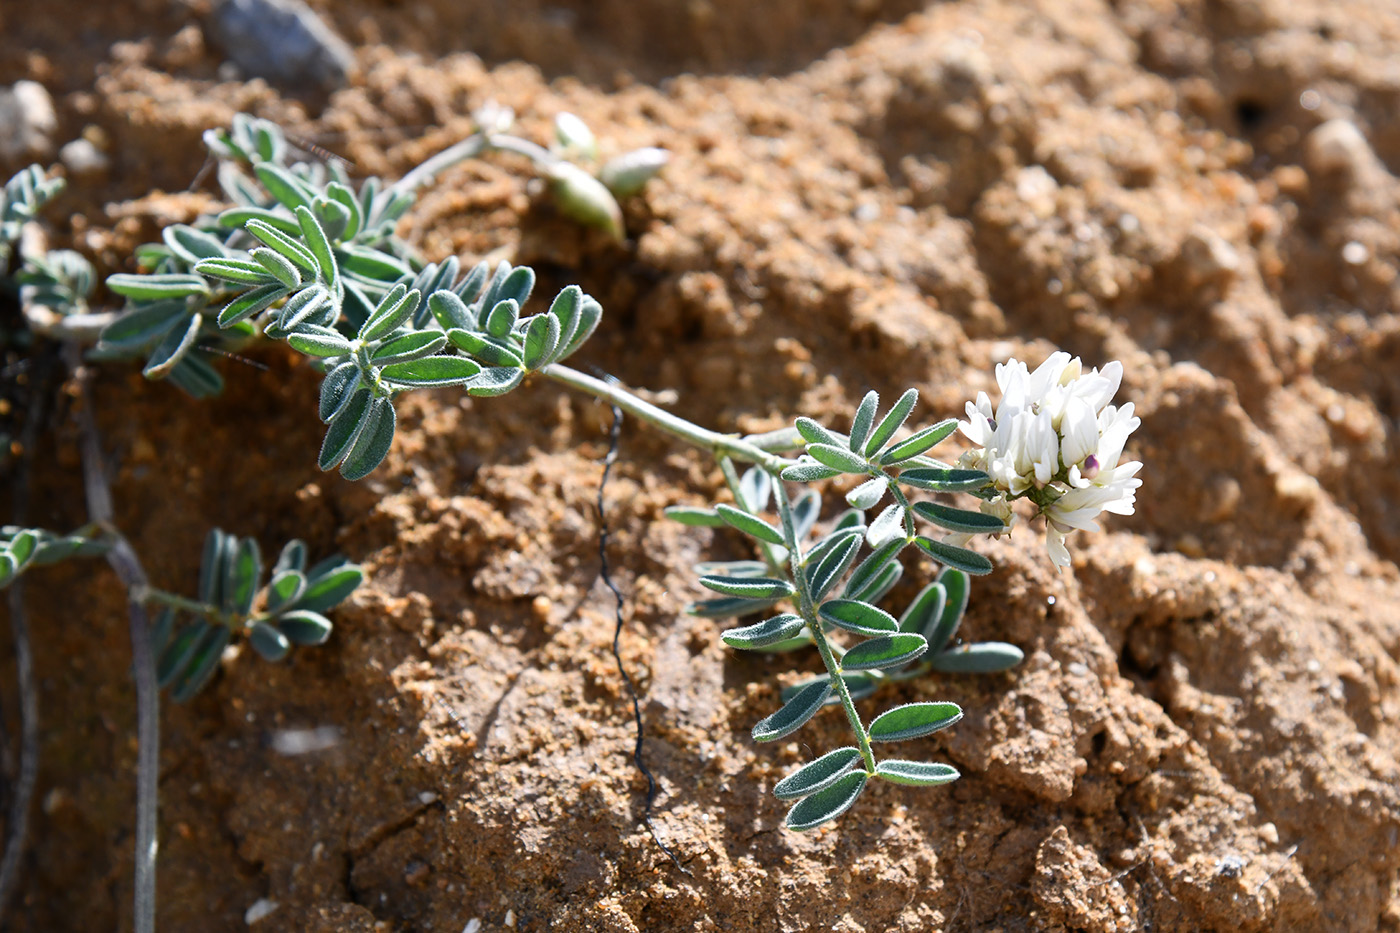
{"x": 309, "y": 257}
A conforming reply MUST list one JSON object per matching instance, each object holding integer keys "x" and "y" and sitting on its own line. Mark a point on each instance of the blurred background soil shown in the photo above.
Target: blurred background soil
{"x": 862, "y": 195}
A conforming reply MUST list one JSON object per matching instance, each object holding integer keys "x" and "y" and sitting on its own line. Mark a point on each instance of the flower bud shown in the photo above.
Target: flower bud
{"x": 626, "y": 174}
{"x": 585, "y": 198}
{"x": 492, "y": 117}
{"x": 574, "y": 137}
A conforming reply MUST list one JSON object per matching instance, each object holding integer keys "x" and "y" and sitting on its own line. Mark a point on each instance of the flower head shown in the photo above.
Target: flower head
{"x": 1054, "y": 439}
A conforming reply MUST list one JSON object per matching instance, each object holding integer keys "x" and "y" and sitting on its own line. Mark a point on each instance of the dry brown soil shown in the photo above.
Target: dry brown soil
{"x": 1204, "y": 733}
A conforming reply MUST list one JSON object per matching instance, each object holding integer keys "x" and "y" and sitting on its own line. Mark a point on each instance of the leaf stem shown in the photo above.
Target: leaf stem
{"x": 721, "y": 445}
{"x": 149, "y": 594}
{"x": 809, "y": 613}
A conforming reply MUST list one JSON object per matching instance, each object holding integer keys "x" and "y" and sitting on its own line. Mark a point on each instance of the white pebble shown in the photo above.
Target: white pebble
{"x": 260, "y": 909}
{"x": 27, "y": 121}
{"x": 1355, "y": 252}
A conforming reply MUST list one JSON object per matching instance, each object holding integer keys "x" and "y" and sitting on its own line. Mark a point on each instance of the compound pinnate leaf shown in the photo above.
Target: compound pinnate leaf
{"x": 765, "y": 633}
{"x": 958, "y": 519}
{"x": 817, "y": 775}
{"x": 828, "y": 804}
{"x": 917, "y": 443}
{"x": 919, "y": 773}
{"x": 913, "y": 720}
{"x": 304, "y": 627}
{"x": 694, "y": 515}
{"x": 860, "y": 618}
{"x": 956, "y": 557}
{"x": 750, "y": 525}
{"x": 984, "y": 657}
{"x": 749, "y": 587}
{"x": 891, "y": 422}
{"x": 268, "y": 641}
{"x": 794, "y": 713}
{"x": 880, "y": 653}
{"x": 432, "y": 371}
{"x": 863, "y": 421}
{"x": 373, "y": 441}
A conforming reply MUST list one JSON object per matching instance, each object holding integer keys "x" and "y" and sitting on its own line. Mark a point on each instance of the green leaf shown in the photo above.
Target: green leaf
{"x": 805, "y": 509}
{"x": 287, "y": 587}
{"x": 172, "y": 348}
{"x": 450, "y": 311}
{"x": 336, "y": 388}
{"x": 816, "y": 775}
{"x": 344, "y": 428}
{"x": 923, "y": 612}
{"x": 192, "y": 245}
{"x": 838, "y": 458}
{"x": 292, "y": 557}
{"x": 254, "y": 301}
{"x": 158, "y": 287}
{"x": 369, "y": 263}
{"x": 372, "y": 443}
{"x": 501, "y": 319}
{"x": 956, "y": 557}
{"x": 983, "y": 657}
{"x": 891, "y": 422}
{"x": 864, "y": 421}
{"x": 22, "y": 547}
{"x": 291, "y": 191}
{"x": 920, "y": 773}
{"x": 750, "y": 525}
{"x": 515, "y": 287}
{"x": 590, "y": 312}
{"x": 765, "y": 633}
{"x": 860, "y": 618}
{"x": 868, "y": 493}
{"x": 794, "y": 714}
{"x": 956, "y": 586}
{"x": 283, "y": 243}
{"x": 814, "y": 433}
{"x": 203, "y": 666}
{"x": 326, "y": 590}
{"x": 808, "y": 472}
{"x": 727, "y": 607}
{"x": 320, "y": 246}
{"x": 431, "y": 372}
{"x": 541, "y": 340}
{"x": 268, "y": 642}
{"x": 414, "y": 345}
{"x": 343, "y": 196}
{"x": 276, "y": 265}
{"x": 211, "y": 567}
{"x": 238, "y": 217}
{"x": 310, "y": 302}
{"x": 181, "y": 650}
{"x": 732, "y": 568}
{"x": 142, "y": 326}
{"x": 694, "y": 515}
{"x": 245, "y": 575}
{"x": 880, "y": 653}
{"x": 958, "y": 519}
{"x": 834, "y": 563}
{"x": 913, "y": 720}
{"x": 756, "y": 489}
{"x": 494, "y": 381}
{"x": 918, "y": 442}
{"x": 324, "y": 342}
{"x": 749, "y": 587}
{"x": 872, "y": 567}
{"x": 303, "y": 627}
{"x": 939, "y": 479}
{"x": 240, "y": 271}
{"x": 565, "y": 310}
{"x": 161, "y": 630}
{"x": 828, "y": 804}
{"x": 878, "y": 587}
{"x": 489, "y": 350}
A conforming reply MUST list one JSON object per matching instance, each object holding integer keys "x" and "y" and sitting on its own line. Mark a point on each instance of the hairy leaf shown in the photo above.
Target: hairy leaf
{"x": 913, "y": 720}
{"x": 891, "y": 422}
{"x": 750, "y": 525}
{"x": 864, "y": 421}
{"x": 794, "y": 713}
{"x": 860, "y": 618}
{"x": 817, "y": 775}
{"x": 765, "y": 633}
{"x": 880, "y": 653}
{"x": 984, "y": 657}
{"x": 956, "y": 557}
{"x": 917, "y": 443}
{"x": 826, "y": 805}
{"x": 920, "y": 773}
{"x": 432, "y": 371}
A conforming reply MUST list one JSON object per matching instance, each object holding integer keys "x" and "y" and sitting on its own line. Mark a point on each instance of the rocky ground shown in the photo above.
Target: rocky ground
{"x": 1203, "y": 735}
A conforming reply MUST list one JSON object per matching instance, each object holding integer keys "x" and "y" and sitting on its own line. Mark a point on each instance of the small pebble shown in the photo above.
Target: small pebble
{"x": 27, "y": 122}
{"x": 1337, "y": 147}
{"x": 260, "y": 909}
{"x": 82, "y": 158}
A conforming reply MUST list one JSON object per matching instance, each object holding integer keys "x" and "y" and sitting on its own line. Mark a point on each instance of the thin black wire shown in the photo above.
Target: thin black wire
{"x": 614, "y": 433}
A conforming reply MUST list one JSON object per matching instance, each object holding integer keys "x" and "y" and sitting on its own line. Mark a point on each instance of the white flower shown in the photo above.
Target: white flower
{"x": 1054, "y": 439}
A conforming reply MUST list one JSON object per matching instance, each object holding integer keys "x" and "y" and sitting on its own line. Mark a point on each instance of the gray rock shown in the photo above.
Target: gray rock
{"x": 27, "y": 122}
{"x": 282, "y": 41}
{"x": 82, "y": 158}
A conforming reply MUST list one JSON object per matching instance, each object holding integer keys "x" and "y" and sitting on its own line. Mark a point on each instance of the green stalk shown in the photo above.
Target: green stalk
{"x": 809, "y": 612}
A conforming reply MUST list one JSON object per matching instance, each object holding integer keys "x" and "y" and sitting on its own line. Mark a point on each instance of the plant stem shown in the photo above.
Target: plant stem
{"x": 809, "y": 613}
{"x": 721, "y": 445}
{"x": 128, "y": 568}
{"x": 149, "y": 594}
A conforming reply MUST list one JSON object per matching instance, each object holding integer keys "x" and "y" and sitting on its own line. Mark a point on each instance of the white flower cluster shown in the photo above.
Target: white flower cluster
{"x": 1055, "y": 440}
